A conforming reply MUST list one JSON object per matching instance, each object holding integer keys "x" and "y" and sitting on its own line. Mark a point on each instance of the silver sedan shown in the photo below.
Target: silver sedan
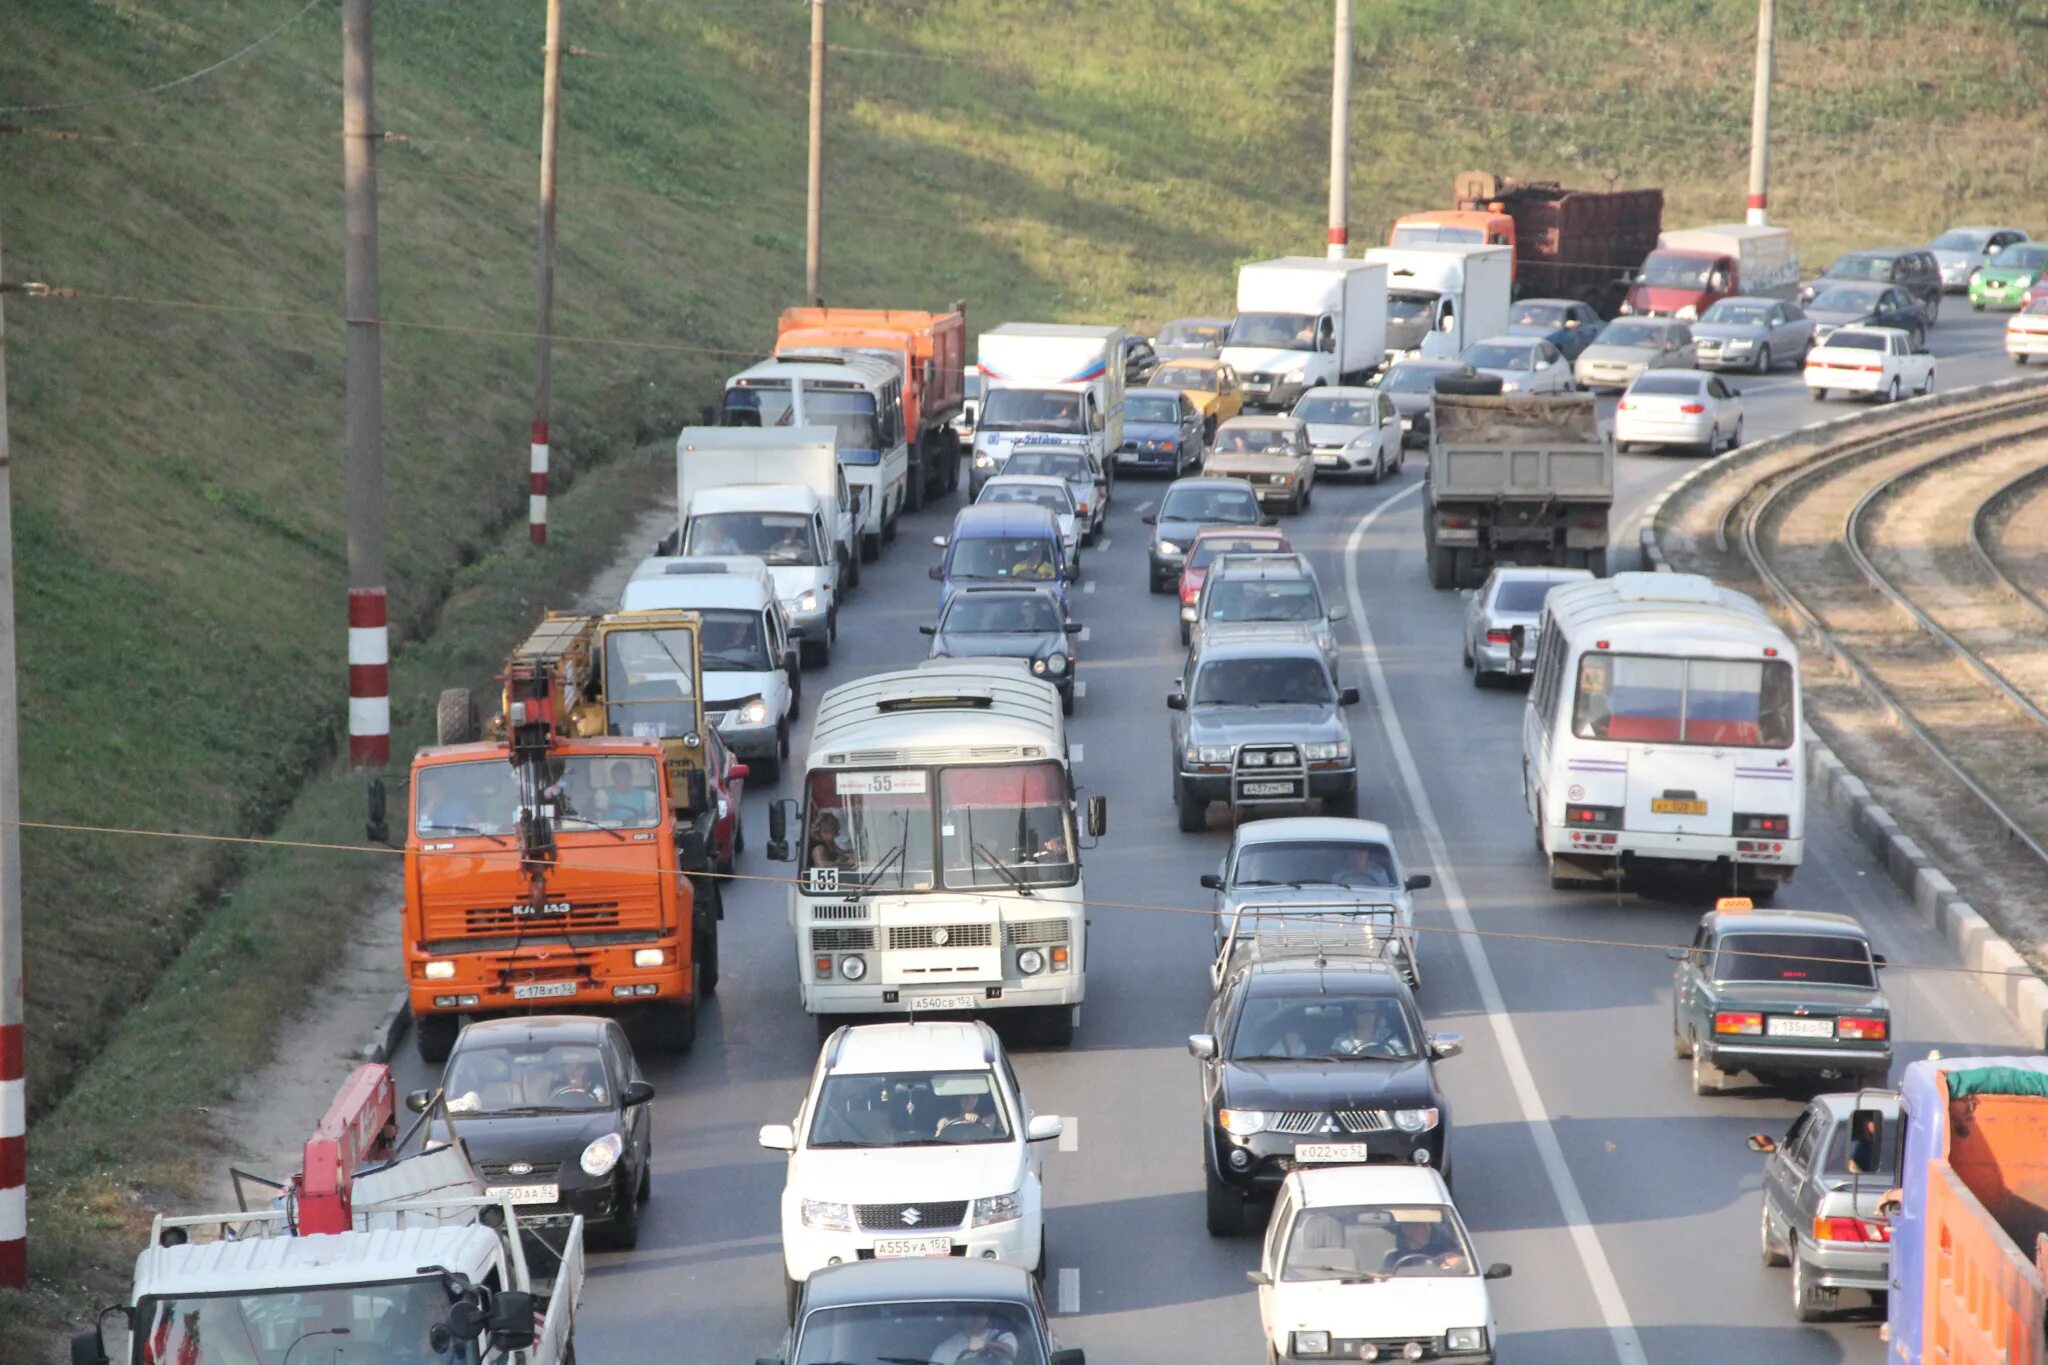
{"x": 1759, "y": 334}
{"x": 1963, "y": 251}
{"x": 1524, "y": 364}
{"x": 1628, "y": 346}
{"x": 1509, "y": 606}
{"x": 1827, "y": 1175}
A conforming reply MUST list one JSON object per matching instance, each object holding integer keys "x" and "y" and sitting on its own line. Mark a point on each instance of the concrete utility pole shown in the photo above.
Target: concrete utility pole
{"x": 1760, "y": 115}
{"x": 814, "y": 206}
{"x": 13, "y": 1090}
{"x": 544, "y": 275}
{"x": 369, "y": 645}
{"x": 1340, "y": 136}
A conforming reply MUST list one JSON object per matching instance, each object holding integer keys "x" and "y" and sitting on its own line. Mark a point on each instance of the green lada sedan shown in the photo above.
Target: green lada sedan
{"x": 2003, "y": 281}
{"x": 1781, "y": 994}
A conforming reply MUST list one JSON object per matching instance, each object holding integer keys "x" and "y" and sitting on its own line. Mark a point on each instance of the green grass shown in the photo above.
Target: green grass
{"x": 179, "y": 472}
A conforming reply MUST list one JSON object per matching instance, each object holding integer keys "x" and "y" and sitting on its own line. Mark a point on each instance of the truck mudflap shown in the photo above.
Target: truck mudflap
{"x": 558, "y": 1327}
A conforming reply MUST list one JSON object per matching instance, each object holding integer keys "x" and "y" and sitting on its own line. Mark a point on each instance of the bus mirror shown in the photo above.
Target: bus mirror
{"x": 778, "y": 822}
{"x": 1866, "y": 1140}
{"x": 1098, "y": 816}
{"x": 707, "y": 416}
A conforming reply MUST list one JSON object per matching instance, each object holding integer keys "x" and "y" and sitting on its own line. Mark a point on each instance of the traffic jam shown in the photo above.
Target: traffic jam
{"x": 574, "y": 840}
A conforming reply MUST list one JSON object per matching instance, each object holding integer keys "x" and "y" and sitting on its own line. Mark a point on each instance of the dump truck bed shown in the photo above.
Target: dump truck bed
{"x": 1490, "y": 449}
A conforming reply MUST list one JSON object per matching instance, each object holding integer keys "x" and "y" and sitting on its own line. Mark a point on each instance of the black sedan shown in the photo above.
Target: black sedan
{"x": 1002, "y": 622}
{"x": 1870, "y": 305}
{"x": 554, "y": 1112}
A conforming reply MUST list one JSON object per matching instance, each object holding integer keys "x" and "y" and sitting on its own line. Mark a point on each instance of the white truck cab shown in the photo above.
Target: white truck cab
{"x": 1047, "y": 384}
{"x": 861, "y": 399}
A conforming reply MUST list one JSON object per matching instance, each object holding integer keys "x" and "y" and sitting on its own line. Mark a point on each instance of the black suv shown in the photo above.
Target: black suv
{"x": 925, "y": 1310}
{"x": 1911, "y": 268}
{"x": 1314, "y": 1060}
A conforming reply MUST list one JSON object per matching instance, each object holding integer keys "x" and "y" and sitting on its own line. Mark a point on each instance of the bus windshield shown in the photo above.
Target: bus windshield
{"x": 1006, "y": 826}
{"x": 649, "y": 682}
{"x": 1730, "y": 703}
{"x": 869, "y": 830}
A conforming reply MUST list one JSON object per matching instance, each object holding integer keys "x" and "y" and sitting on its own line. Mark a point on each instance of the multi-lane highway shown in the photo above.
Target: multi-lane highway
{"x": 1626, "y": 1205}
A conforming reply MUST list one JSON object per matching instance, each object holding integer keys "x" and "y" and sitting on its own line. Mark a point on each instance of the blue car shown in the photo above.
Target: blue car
{"x": 1006, "y": 543}
{"x": 1567, "y": 324}
{"x": 1162, "y": 433}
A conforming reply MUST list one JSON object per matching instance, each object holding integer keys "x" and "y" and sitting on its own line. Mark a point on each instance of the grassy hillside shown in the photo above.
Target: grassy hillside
{"x": 179, "y": 473}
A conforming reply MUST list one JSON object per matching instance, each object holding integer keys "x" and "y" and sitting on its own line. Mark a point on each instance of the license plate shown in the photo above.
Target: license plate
{"x": 889, "y": 1248}
{"x": 1332, "y": 1151}
{"x": 1269, "y": 789}
{"x": 1779, "y": 1027}
{"x": 1665, "y": 805}
{"x": 527, "y": 1194}
{"x": 544, "y": 990}
{"x": 942, "y": 1002}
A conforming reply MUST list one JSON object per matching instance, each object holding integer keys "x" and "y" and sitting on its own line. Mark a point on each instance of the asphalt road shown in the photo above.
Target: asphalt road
{"x": 1626, "y": 1205}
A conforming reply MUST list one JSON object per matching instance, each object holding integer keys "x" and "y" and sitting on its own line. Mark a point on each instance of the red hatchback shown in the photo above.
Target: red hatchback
{"x": 728, "y": 777}
{"x": 1209, "y": 543}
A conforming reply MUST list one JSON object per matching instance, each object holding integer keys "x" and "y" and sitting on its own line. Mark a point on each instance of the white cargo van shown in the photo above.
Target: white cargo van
{"x": 1047, "y": 384}
{"x": 1305, "y": 322}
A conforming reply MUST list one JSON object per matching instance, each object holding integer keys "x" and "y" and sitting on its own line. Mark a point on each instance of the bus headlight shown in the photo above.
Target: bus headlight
{"x": 1030, "y": 962}
{"x": 853, "y": 966}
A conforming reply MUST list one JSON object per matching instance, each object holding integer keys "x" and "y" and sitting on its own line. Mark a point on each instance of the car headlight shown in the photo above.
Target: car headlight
{"x": 440, "y": 971}
{"x": 827, "y": 1214}
{"x": 1465, "y": 1339}
{"x": 754, "y": 712}
{"x": 1310, "y": 1344}
{"x": 1031, "y": 962}
{"x": 1056, "y": 664}
{"x": 2023, "y": 281}
{"x": 1415, "y": 1120}
{"x": 1625, "y": 309}
{"x": 807, "y": 601}
{"x": 998, "y": 1208}
{"x": 600, "y": 1156}
{"x": 1689, "y": 312}
{"x": 1167, "y": 547}
{"x": 1323, "y": 753}
{"x": 1208, "y": 753}
{"x": 1244, "y": 1122}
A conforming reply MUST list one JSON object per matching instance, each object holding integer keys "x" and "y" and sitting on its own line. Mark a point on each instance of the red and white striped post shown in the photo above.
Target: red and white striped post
{"x": 13, "y": 1147}
{"x": 369, "y": 647}
{"x": 537, "y": 486}
{"x": 13, "y": 1090}
{"x": 369, "y": 679}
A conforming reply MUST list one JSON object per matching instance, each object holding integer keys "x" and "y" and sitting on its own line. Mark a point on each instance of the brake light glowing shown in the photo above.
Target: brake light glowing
{"x": 1864, "y": 1030}
{"x": 1496, "y": 637}
{"x": 1692, "y": 409}
{"x": 1732, "y": 1021}
{"x": 1850, "y": 1230}
{"x": 1626, "y": 405}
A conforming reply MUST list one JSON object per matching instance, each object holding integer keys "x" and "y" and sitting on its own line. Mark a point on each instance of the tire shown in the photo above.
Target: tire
{"x": 1469, "y": 663}
{"x": 1193, "y": 814}
{"x": 675, "y": 1025}
{"x": 433, "y": 1035}
{"x": 623, "y": 1232}
{"x": 1892, "y": 394}
{"x": 704, "y": 952}
{"x": 1226, "y": 1208}
{"x": 1308, "y": 493}
{"x": 1187, "y": 633}
{"x": 1158, "y": 585}
{"x": 1707, "y": 1079}
{"x": 849, "y": 572}
{"x": 1055, "y": 1025}
{"x": 1818, "y": 395}
{"x": 645, "y": 1191}
{"x": 1927, "y": 386}
{"x": 913, "y": 486}
{"x": 1442, "y": 566}
{"x": 1479, "y": 678}
{"x": 1976, "y": 307}
{"x": 1808, "y": 1302}
{"x": 1768, "y": 1249}
{"x": 1343, "y": 807}
{"x": 1713, "y": 446}
{"x": 1038, "y": 1270}
{"x": 1466, "y": 571}
{"x": 1735, "y": 437}
{"x": 889, "y": 520}
{"x": 1934, "y": 311}
{"x": 1919, "y": 337}
{"x": 770, "y": 769}
{"x": 1067, "y": 702}
{"x": 2019, "y": 360}
{"x": 871, "y": 546}
{"x": 816, "y": 653}
{"x": 455, "y": 717}
{"x": 1763, "y": 360}
{"x": 739, "y": 834}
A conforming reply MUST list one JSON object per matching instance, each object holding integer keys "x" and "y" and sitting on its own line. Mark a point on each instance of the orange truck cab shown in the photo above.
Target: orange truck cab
{"x": 1471, "y": 227}
{"x": 928, "y": 349}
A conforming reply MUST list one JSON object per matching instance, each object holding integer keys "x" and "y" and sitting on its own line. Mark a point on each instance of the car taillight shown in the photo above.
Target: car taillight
{"x": 1626, "y": 405}
{"x": 1850, "y": 1230}
{"x": 1735, "y": 1021}
{"x": 1872, "y": 369}
{"x": 1780, "y": 825}
{"x": 1496, "y": 637}
{"x": 1692, "y": 409}
{"x": 1593, "y": 817}
{"x": 1862, "y": 1029}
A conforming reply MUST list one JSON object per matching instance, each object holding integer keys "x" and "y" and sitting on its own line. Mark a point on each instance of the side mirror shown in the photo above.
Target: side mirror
{"x": 511, "y": 1320}
{"x": 1098, "y": 816}
{"x": 707, "y": 416}
{"x": 1149, "y": 519}
{"x": 1072, "y": 1355}
{"x": 466, "y": 1321}
{"x": 778, "y": 1137}
{"x": 419, "y": 1100}
{"x": 1443, "y": 1045}
{"x": 377, "y": 829}
{"x": 1096, "y": 421}
{"x": 1676, "y": 954}
{"x": 1735, "y": 393}
{"x": 929, "y": 628}
{"x": 1499, "y": 1270}
{"x": 1269, "y": 521}
{"x": 635, "y": 1093}
{"x": 739, "y": 772}
{"x": 1879, "y": 960}
{"x": 1176, "y": 701}
{"x": 778, "y": 851}
{"x": 1258, "y": 1277}
{"x": 939, "y": 541}
{"x": 1075, "y": 627}
{"x": 1211, "y": 882}
{"x": 88, "y": 1349}
{"x": 1340, "y": 612}
{"x": 937, "y": 574}
{"x": 1419, "y": 882}
{"x": 1762, "y": 1142}
{"x": 1202, "y": 1046}
{"x": 1348, "y": 697}
{"x": 1044, "y": 1127}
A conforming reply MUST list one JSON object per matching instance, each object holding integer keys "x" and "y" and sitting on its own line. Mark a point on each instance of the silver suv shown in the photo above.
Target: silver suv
{"x": 1245, "y": 592}
{"x": 1827, "y": 1175}
{"x": 1258, "y": 724}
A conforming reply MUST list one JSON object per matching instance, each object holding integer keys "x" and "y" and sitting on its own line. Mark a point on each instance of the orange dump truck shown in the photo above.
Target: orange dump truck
{"x": 931, "y": 351}
{"x": 1569, "y": 244}
{"x": 1967, "y": 1283}
{"x": 542, "y": 868}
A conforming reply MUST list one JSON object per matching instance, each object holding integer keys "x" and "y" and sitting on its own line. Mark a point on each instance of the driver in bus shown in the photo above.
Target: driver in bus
{"x": 1589, "y": 719}
{"x": 826, "y": 848}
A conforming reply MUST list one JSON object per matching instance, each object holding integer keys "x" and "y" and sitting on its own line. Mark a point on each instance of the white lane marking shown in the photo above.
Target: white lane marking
{"x": 1070, "y": 1289}
{"x": 1089, "y": 586}
{"x": 1599, "y": 1272}
{"x": 1070, "y": 1136}
{"x": 1080, "y": 688}
{"x": 1073, "y": 753}
{"x": 1103, "y": 542}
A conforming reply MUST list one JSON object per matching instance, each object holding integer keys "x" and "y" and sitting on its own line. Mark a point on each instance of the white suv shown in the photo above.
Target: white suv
{"x": 914, "y": 1140}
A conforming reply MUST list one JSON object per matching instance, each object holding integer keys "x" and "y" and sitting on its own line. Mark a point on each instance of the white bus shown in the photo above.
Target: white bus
{"x": 1663, "y": 729}
{"x": 938, "y": 864}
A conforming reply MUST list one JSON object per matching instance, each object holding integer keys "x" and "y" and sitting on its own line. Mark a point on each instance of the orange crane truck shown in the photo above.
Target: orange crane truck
{"x": 931, "y": 351}
{"x": 549, "y": 858}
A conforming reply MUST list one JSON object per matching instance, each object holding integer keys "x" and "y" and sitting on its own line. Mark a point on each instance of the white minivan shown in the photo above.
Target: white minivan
{"x": 751, "y": 671}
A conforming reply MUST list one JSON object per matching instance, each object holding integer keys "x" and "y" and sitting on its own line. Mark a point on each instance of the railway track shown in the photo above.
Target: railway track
{"x": 1887, "y": 551}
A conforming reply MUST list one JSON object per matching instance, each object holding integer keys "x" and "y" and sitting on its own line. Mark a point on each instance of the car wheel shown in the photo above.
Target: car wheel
{"x": 1934, "y": 310}
{"x": 1681, "y": 1046}
{"x": 1066, "y": 701}
{"x": 1809, "y": 1301}
{"x": 1768, "y": 1247}
{"x": 1158, "y": 584}
{"x": 623, "y": 1232}
{"x": 1892, "y": 394}
{"x": 1187, "y": 633}
{"x": 1056, "y": 1025}
{"x": 1735, "y": 436}
{"x": 1468, "y": 651}
{"x": 1343, "y": 807}
{"x": 1763, "y": 361}
{"x": 1193, "y": 813}
{"x": 646, "y": 1190}
{"x": 1976, "y": 307}
{"x": 434, "y": 1035}
{"x": 1818, "y": 394}
{"x": 1480, "y": 677}
{"x": 1226, "y": 1208}
{"x": 1707, "y": 1079}
{"x": 1928, "y": 386}
{"x": 1713, "y": 442}
{"x": 1919, "y": 337}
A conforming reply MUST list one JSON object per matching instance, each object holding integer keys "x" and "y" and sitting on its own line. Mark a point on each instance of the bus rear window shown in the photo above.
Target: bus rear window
{"x": 1729, "y": 703}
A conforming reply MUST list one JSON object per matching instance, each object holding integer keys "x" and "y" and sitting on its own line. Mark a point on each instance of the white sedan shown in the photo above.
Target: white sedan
{"x": 1524, "y": 364}
{"x": 1679, "y": 408}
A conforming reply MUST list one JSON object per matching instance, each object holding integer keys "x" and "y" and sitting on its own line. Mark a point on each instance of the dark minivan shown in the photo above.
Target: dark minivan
{"x": 1912, "y": 268}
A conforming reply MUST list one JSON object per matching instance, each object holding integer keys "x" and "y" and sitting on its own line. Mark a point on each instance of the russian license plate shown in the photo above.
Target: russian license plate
{"x": 1332, "y": 1151}
{"x": 527, "y": 1194}
{"x": 942, "y": 1002}
{"x": 544, "y": 990}
{"x": 1269, "y": 789}
{"x": 1779, "y": 1026}
{"x": 1665, "y": 805}
{"x": 889, "y": 1248}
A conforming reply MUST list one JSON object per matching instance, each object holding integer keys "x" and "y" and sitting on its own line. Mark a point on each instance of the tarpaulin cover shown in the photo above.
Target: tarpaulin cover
{"x": 1924, "y": 1093}
{"x": 1566, "y": 419}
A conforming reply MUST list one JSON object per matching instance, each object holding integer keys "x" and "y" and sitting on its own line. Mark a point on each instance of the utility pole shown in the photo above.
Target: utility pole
{"x": 1340, "y": 136}
{"x": 1760, "y": 115}
{"x": 13, "y": 1090}
{"x": 369, "y": 644}
{"x": 543, "y": 348}
{"x": 814, "y": 205}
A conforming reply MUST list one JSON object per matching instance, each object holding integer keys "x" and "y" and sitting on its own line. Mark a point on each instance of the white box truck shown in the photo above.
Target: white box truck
{"x": 1304, "y": 322}
{"x": 1442, "y": 296}
{"x": 1047, "y": 384}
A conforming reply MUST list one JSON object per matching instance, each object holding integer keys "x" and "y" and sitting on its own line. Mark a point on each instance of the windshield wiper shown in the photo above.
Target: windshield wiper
{"x": 1261, "y": 881}
{"x": 1003, "y": 870}
{"x": 498, "y": 839}
{"x": 586, "y": 820}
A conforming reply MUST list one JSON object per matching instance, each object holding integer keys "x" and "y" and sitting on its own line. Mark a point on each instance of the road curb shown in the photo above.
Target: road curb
{"x": 390, "y": 1029}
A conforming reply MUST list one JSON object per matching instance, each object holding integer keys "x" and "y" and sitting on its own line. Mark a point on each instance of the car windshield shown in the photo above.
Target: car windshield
{"x": 1340, "y": 412}
{"x": 1489, "y": 356}
{"x": 650, "y": 683}
{"x": 1054, "y": 410}
{"x": 1321, "y": 1027}
{"x": 1677, "y": 272}
{"x": 1955, "y": 239}
{"x": 1738, "y": 312}
{"x": 525, "y": 1077}
{"x": 1373, "y": 1242}
{"x": 1408, "y": 307}
{"x": 1197, "y": 377}
{"x": 1225, "y": 506}
{"x": 1521, "y": 595}
{"x": 1668, "y": 383}
{"x": 1151, "y": 407}
{"x": 1208, "y": 547}
{"x": 1412, "y": 378}
{"x": 1192, "y": 334}
{"x": 1054, "y": 498}
{"x": 1276, "y": 331}
{"x": 778, "y": 537}
{"x": 1824, "y": 959}
{"x": 1544, "y": 315}
{"x": 481, "y": 797}
{"x": 1624, "y": 333}
{"x": 1001, "y": 613}
{"x": 392, "y": 1321}
{"x": 1070, "y": 465}
{"x": 920, "y": 1333}
{"x": 1008, "y": 825}
{"x": 1881, "y": 269}
{"x": 1263, "y": 599}
{"x": 1847, "y": 298}
{"x": 1029, "y": 557}
{"x": 1236, "y": 440}
{"x": 734, "y": 642}
{"x": 1856, "y": 341}
{"x": 1729, "y": 703}
{"x": 1263, "y": 682}
{"x": 2023, "y": 257}
{"x": 909, "y": 1109}
{"x": 1315, "y": 862}
{"x": 1425, "y": 234}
